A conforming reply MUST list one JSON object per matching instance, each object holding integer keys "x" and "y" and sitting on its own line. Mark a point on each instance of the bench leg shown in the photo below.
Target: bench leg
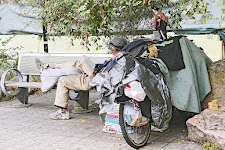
{"x": 23, "y": 97}
{"x": 82, "y": 99}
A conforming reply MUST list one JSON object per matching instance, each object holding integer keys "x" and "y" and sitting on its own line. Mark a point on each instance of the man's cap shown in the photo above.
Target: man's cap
{"x": 118, "y": 43}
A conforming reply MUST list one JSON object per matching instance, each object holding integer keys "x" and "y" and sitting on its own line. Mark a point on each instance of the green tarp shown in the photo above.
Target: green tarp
{"x": 220, "y": 32}
{"x": 189, "y": 86}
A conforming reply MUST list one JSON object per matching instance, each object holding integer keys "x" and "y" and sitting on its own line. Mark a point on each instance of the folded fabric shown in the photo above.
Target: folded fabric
{"x": 50, "y": 77}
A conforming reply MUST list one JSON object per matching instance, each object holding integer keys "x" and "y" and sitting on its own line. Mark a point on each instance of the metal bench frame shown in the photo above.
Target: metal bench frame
{"x": 27, "y": 67}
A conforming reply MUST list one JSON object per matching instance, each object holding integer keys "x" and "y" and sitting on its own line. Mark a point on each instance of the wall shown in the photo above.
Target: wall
{"x": 34, "y": 43}
{"x": 211, "y": 45}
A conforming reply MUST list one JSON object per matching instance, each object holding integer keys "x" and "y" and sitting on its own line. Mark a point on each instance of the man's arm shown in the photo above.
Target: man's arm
{"x": 99, "y": 67}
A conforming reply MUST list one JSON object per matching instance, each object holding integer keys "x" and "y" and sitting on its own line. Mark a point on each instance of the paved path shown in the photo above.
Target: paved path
{"x": 32, "y": 129}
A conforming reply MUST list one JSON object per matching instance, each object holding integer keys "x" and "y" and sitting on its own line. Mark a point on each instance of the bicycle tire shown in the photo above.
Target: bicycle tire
{"x": 127, "y": 136}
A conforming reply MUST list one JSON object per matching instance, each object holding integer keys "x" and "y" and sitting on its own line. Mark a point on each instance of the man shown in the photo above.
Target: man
{"x": 79, "y": 81}
{"x": 107, "y": 80}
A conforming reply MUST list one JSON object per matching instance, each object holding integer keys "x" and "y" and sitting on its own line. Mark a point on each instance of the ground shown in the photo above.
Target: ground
{"x": 31, "y": 128}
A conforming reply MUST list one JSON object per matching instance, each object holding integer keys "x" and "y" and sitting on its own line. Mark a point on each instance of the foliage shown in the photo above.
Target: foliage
{"x": 7, "y": 54}
{"x": 211, "y": 146}
{"x": 85, "y": 18}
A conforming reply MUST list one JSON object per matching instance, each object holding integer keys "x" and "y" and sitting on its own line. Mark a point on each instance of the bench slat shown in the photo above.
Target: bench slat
{"x": 23, "y": 84}
{"x": 27, "y": 66}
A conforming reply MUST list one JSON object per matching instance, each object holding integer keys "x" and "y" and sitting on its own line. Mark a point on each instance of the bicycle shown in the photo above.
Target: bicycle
{"x": 138, "y": 135}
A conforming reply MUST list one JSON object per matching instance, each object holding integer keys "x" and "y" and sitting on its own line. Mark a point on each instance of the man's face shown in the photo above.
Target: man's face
{"x": 113, "y": 50}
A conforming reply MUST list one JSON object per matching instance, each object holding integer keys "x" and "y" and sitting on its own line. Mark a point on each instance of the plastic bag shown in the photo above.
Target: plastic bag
{"x": 112, "y": 121}
{"x": 133, "y": 116}
{"x": 135, "y": 91}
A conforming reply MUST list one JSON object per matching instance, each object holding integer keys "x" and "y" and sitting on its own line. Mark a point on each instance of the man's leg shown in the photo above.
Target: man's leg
{"x": 43, "y": 66}
{"x": 66, "y": 83}
{"x": 67, "y": 64}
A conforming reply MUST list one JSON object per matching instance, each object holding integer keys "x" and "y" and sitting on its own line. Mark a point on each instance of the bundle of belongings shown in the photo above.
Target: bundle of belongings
{"x": 165, "y": 69}
{"x": 184, "y": 66}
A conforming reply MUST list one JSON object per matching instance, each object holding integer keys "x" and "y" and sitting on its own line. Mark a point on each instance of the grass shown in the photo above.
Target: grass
{"x": 211, "y": 146}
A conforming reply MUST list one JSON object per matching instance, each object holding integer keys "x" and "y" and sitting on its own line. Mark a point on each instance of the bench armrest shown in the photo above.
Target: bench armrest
{"x": 3, "y": 81}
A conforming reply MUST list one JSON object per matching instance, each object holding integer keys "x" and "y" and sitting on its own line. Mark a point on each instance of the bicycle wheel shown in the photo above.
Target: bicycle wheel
{"x": 135, "y": 136}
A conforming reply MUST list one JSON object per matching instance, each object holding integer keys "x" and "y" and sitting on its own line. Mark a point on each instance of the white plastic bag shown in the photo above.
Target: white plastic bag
{"x": 133, "y": 116}
{"x": 135, "y": 91}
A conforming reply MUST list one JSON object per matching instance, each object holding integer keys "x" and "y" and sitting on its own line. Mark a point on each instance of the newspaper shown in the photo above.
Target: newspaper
{"x": 86, "y": 65}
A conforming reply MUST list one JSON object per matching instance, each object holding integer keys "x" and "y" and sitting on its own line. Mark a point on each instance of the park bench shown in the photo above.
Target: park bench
{"x": 27, "y": 67}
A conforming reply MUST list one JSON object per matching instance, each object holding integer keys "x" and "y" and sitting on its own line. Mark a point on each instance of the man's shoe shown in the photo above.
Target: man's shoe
{"x": 60, "y": 115}
{"x": 40, "y": 65}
